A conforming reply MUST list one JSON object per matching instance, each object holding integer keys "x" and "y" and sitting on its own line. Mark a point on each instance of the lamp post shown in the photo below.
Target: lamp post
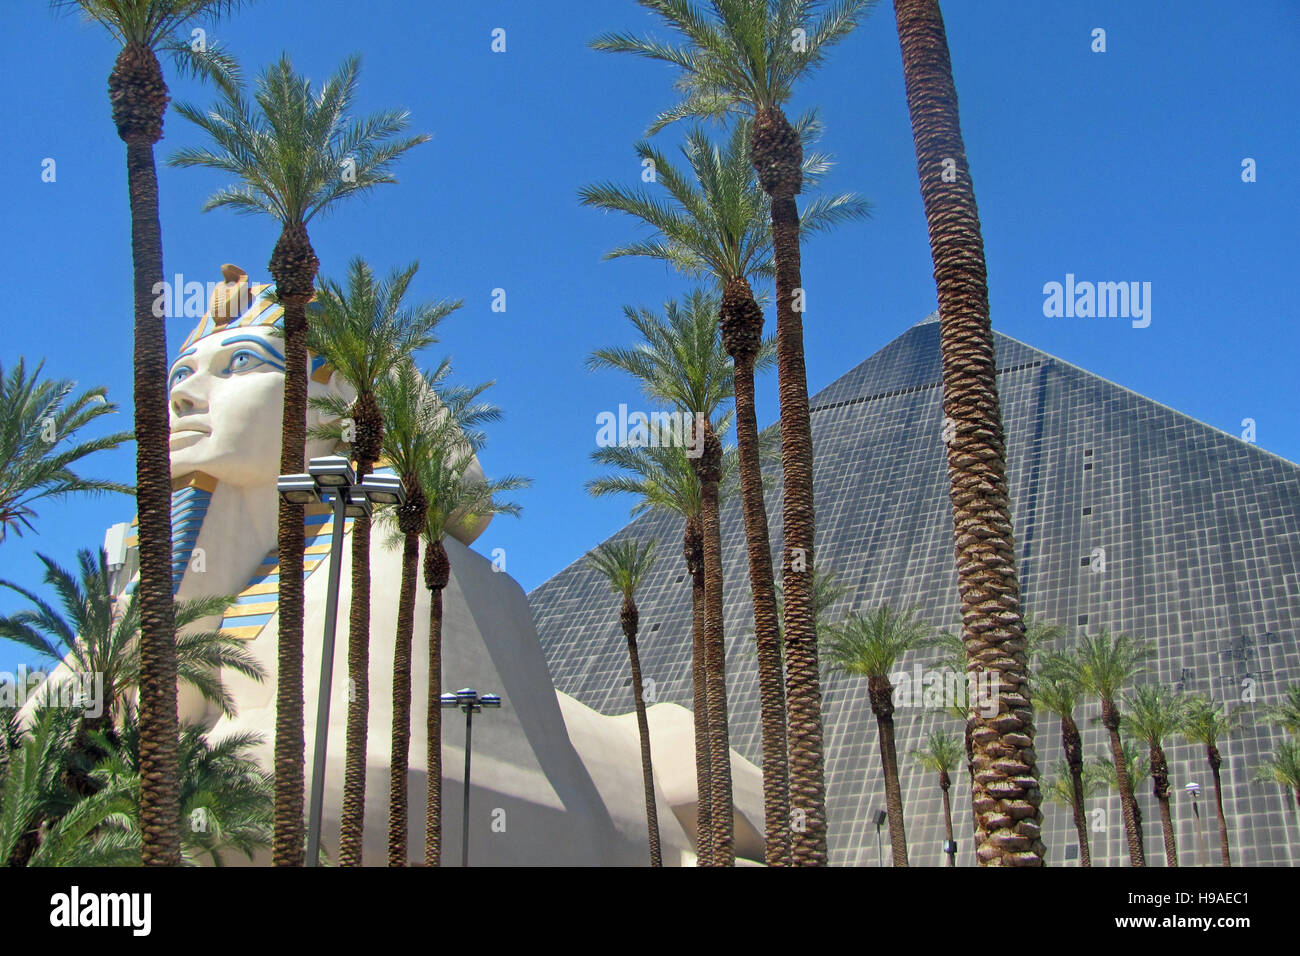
{"x": 880, "y": 818}
{"x": 331, "y": 477}
{"x": 468, "y": 700}
{"x": 1194, "y": 791}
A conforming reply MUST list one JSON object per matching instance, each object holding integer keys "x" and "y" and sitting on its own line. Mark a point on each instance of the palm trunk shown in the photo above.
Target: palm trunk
{"x": 1006, "y": 798}
{"x": 139, "y": 99}
{"x": 1212, "y": 754}
{"x": 777, "y": 156}
{"x": 742, "y": 329}
{"x": 629, "y": 618}
{"x": 944, "y": 785}
{"x": 401, "y": 740}
{"x": 1160, "y": 787}
{"x": 882, "y": 705}
{"x": 1132, "y": 823}
{"x": 1072, "y": 743}
{"x": 293, "y": 266}
{"x": 709, "y": 466}
{"x": 970, "y": 773}
{"x": 352, "y": 829}
{"x": 436, "y": 576}
{"x": 694, "y": 549}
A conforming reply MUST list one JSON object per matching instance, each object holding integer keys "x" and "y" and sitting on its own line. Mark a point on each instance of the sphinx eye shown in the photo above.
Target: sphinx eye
{"x": 244, "y": 361}
{"x": 180, "y": 375}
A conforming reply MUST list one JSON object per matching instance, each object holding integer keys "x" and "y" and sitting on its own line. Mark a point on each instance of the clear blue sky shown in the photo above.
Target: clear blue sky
{"x": 1123, "y": 165}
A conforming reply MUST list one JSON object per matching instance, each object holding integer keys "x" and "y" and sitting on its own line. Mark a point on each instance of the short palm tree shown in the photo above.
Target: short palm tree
{"x": 1073, "y": 792}
{"x": 941, "y": 754}
{"x": 716, "y": 225}
{"x": 423, "y": 416}
{"x": 39, "y": 421}
{"x": 680, "y": 362}
{"x": 1283, "y": 768}
{"x": 993, "y": 630}
{"x": 1154, "y": 713}
{"x": 96, "y": 633}
{"x": 138, "y": 95}
{"x": 625, "y": 564}
{"x": 297, "y": 154}
{"x": 364, "y": 331}
{"x": 1056, "y": 689}
{"x": 1286, "y": 715}
{"x": 870, "y": 645}
{"x": 1103, "y": 664}
{"x": 662, "y": 478}
{"x": 745, "y": 56}
{"x": 1133, "y": 768}
{"x": 1206, "y": 723}
{"x": 455, "y": 498}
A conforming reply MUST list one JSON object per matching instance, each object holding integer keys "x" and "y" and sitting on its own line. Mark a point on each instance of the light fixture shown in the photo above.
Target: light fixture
{"x": 332, "y": 471}
{"x": 358, "y": 505}
{"x": 297, "y": 489}
{"x": 384, "y": 489}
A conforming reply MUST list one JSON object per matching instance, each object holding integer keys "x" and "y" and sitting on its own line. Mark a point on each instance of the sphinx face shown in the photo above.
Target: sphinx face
{"x": 226, "y": 395}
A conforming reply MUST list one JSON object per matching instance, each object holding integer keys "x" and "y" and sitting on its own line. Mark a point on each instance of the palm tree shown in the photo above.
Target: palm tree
{"x": 941, "y": 754}
{"x": 363, "y": 332}
{"x": 663, "y": 479}
{"x": 1103, "y": 664}
{"x": 422, "y": 414}
{"x": 1206, "y": 723}
{"x": 138, "y": 95}
{"x": 870, "y": 645}
{"x": 454, "y": 499}
{"x": 680, "y": 362}
{"x": 746, "y": 57}
{"x": 1286, "y": 715}
{"x": 1134, "y": 767}
{"x": 296, "y": 154}
{"x": 38, "y": 422}
{"x": 993, "y": 629}
{"x": 625, "y": 564}
{"x": 1065, "y": 789}
{"x": 1154, "y": 713}
{"x": 716, "y": 225}
{"x": 1057, "y": 690}
{"x": 1283, "y": 768}
{"x": 98, "y": 634}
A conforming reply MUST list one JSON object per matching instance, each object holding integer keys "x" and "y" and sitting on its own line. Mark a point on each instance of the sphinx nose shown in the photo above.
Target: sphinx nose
{"x": 185, "y": 400}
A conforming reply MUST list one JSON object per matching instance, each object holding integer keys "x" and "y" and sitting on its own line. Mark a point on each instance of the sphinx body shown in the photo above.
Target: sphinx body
{"x": 553, "y": 782}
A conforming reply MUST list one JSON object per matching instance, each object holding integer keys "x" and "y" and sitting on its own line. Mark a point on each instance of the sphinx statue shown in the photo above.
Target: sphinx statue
{"x": 553, "y": 782}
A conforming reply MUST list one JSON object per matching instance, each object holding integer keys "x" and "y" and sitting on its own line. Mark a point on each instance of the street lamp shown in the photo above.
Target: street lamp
{"x": 331, "y": 477}
{"x": 468, "y": 700}
{"x": 1194, "y": 790}
{"x": 881, "y": 816}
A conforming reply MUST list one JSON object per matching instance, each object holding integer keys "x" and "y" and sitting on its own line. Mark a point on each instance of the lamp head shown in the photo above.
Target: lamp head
{"x": 490, "y": 700}
{"x": 384, "y": 489}
{"x": 332, "y": 471}
{"x": 297, "y": 489}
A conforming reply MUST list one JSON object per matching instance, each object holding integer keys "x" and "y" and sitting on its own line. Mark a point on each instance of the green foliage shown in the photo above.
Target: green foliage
{"x": 1282, "y": 766}
{"x": 1136, "y": 762}
{"x": 942, "y": 752}
{"x": 1286, "y": 714}
{"x": 1154, "y": 712}
{"x": 871, "y": 643}
{"x": 1059, "y": 787}
{"x": 39, "y": 422}
{"x": 625, "y": 563}
{"x": 1104, "y": 663}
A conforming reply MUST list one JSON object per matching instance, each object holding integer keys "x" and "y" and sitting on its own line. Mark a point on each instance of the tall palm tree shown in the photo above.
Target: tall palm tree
{"x": 716, "y": 225}
{"x": 363, "y": 331}
{"x": 680, "y": 362}
{"x": 1206, "y": 723}
{"x": 1056, "y": 689}
{"x": 941, "y": 754}
{"x": 296, "y": 153}
{"x": 993, "y": 629}
{"x": 1154, "y": 713}
{"x": 1063, "y": 788}
{"x": 1283, "y": 768}
{"x": 1103, "y": 664}
{"x": 870, "y": 644}
{"x": 625, "y": 564}
{"x": 1286, "y": 715}
{"x": 454, "y": 498}
{"x": 1135, "y": 767}
{"x": 663, "y": 479}
{"x": 423, "y": 416}
{"x": 745, "y": 56}
{"x": 39, "y": 421}
{"x": 138, "y": 96}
